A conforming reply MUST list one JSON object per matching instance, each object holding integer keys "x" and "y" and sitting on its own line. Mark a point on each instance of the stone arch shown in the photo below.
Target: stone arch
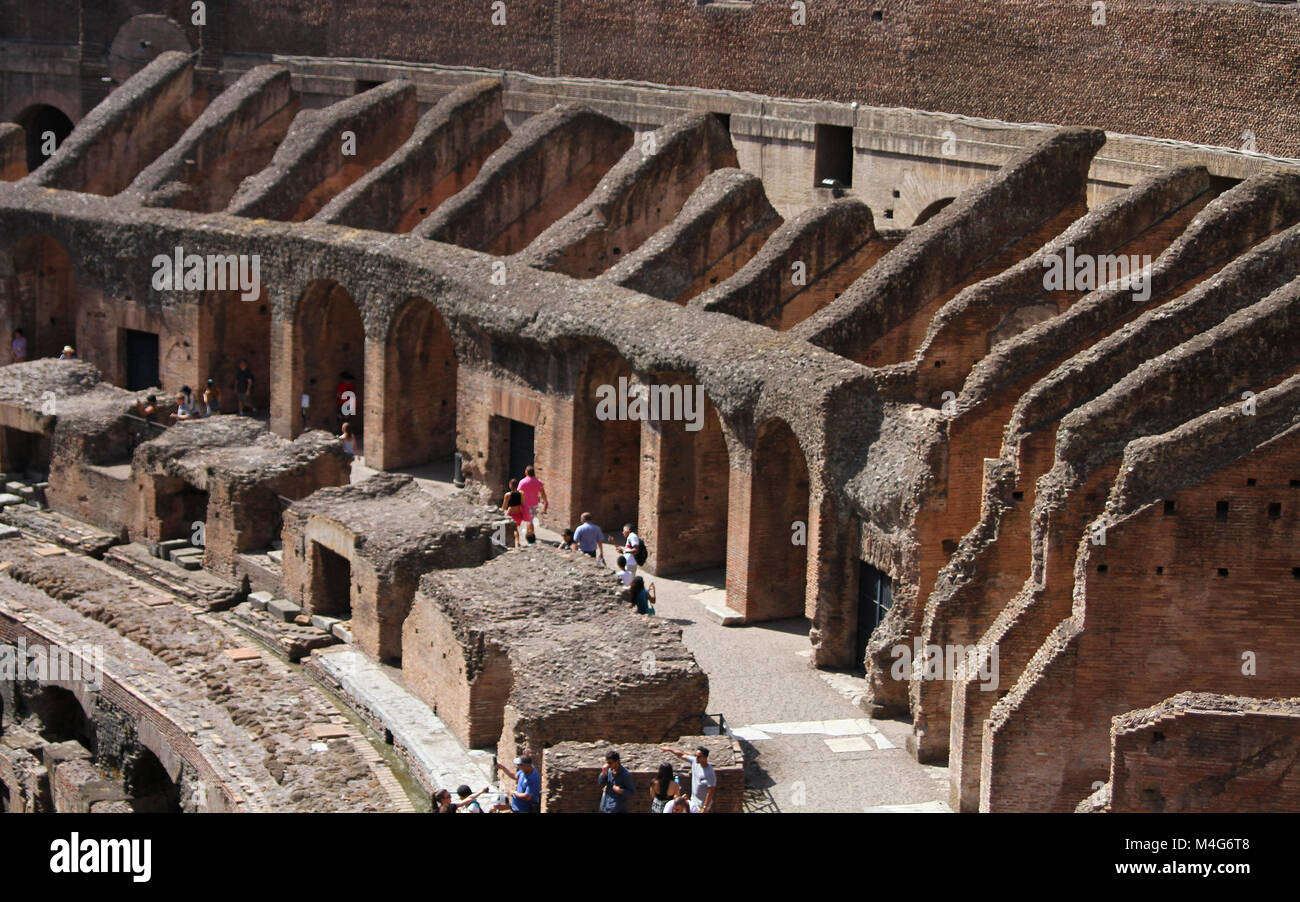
{"x": 328, "y": 341}
{"x": 416, "y": 404}
{"x": 37, "y": 120}
{"x": 43, "y": 302}
{"x": 931, "y": 210}
{"x": 686, "y": 483}
{"x": 140, "y": 40}
{"x": 779, "y": 525}
{"x": 236, "y": 329}
{"x": 606, "y": 461}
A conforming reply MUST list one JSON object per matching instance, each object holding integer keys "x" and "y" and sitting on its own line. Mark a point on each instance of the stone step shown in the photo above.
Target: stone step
{"x": 198, "y": 587}
{"x": 9, "y": 498}
{"x": 288, "y": 640}
{"x": 283, "y": 609}
{"x": 187, "y": 551}
{"x": 320, "y": 621}
{"x": 259, "y": 600}
{"x": 59, "y": 529}
{"x": 343, "y": 630}
{"x": 15, "y": 487}
{"x": 276, "y": 555}
{"x": 165, "y": 548}
{"x": 188, "y": 561}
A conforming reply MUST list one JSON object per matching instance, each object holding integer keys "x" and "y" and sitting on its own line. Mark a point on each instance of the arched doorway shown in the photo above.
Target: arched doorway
{"x": 778, "y": 533}
{"x": 607, "y": 450}
{"x": 46, "y": 127}
{"x": 44, "y": 304}
{"x": 691, "y": 481}
{"x": 419, "y": 397}
{"x": 329, "y": 350}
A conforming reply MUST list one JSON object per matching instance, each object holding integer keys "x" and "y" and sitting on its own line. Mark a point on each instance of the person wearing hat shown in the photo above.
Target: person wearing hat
{"x": 69, "y": 353}
{"x": 527, "y": 797}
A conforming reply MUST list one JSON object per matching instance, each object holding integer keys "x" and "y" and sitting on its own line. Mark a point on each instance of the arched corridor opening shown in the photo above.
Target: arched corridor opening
{"x": 688, "y": 483}
{"x": 44, "y": 302}
{"x": 778, "y": 532}
{"x": 419, "y": 391}
{"x": 329, "y": 351}
{"x": 43, "y": 122}
{"x": 239, "y": 330}
{"x": 607, "y": 450}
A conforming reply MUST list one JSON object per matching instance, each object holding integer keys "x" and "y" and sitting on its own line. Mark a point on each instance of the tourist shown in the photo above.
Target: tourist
{"x": 683, "y": 805}
{"x": 442, "y": 803}
{"x": 566, "y": 541}
{"x": 643, "y": 598}
{"x": 345, "y": 397}
{"x": 663, "y": 789}
{"x": 616, "y": 785}
{"x": 632, "y": 547}
{"x": 148, "y": 408}
{"x": 467, "y": 802}
{"x": 624, "y": 574}
{"x": 185, "y": 409}
{"x": 589, "y": 538}
{"x": 244, "y": 389}
{"x": 349, "y": 442}
{"x": 18, "y": 347}
{"x": 513, "y": 504}
{"x": 704, "y": 782}
{"x": 211, "y": 399}
{"x": 527, "y": 796}
{"x": 534, "y": 493}
{"x": 69, "y": 353}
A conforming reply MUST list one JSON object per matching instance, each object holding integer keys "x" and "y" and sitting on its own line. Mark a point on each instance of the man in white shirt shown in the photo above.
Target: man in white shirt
{"x": 704, "y": 782}
{"x": 626, "y": 571}
{"x": 630, "y": 542}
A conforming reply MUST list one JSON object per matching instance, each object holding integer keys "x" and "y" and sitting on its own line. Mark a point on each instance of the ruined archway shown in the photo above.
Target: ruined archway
{"x": 329, "y": 350}
{"x": 237, "y": 330}
{"x": 778, "y": 530}
{"x": 46, "y": 127}
{"x": 688, "y": 470}
{"x": 44, "y": 300}
{"x": 606, "y": 465}
{"x": 419, "y": 390}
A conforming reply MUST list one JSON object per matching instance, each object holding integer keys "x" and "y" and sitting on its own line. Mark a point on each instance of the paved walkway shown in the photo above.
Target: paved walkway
{"x": 807, "y": 746}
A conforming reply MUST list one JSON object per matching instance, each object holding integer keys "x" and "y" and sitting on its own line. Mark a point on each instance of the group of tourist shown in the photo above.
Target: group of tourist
{"x": 617, "y": 788}
{"x": 209, "y": 404}
{"x": 18, "y": 348}
{"x": 527, "y": 496}
{"x": 188, "y": 407}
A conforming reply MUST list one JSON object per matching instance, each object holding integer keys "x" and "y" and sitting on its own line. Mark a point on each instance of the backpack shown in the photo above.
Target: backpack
{"x": 641, "y": 553}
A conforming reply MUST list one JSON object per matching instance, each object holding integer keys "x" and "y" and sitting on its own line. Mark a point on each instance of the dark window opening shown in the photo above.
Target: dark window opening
{"x": 1018, "y": 496}
{"x": 833, "y": 156}
{"x": 1274, "y": 510}
{"x": 1223, "y": 571}
{"x": 724, "y": 119}
{"x": 1102, "y": 568}
{"x": 1221, "y": 510}
{"x": 38, "y": 121}
{"x": 878, "y": 15}
{"x": 1170, "y": 506}
{"x": 1160, "y": 571}
{"x": 362, "y": 85}
{"x": 1250, "y": 482}
{"x": 141, "y": 360}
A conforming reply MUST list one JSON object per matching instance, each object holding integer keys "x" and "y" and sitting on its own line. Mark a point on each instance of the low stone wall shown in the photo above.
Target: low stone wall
{"x": 570, "y": 771}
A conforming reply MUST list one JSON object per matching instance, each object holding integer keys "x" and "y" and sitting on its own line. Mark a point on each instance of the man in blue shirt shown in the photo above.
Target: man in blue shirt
{"x": 527, "y": 797}
{"x": 616, "y": 785}
{"x": 590, "y": 538}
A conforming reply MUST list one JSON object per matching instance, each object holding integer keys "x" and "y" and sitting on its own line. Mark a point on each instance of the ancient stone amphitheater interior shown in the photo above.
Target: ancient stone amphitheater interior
{"x": 944, "y": 357}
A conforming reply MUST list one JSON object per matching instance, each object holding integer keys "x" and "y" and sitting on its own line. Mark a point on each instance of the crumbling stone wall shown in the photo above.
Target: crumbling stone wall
{"x": 1207, "y": 753}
